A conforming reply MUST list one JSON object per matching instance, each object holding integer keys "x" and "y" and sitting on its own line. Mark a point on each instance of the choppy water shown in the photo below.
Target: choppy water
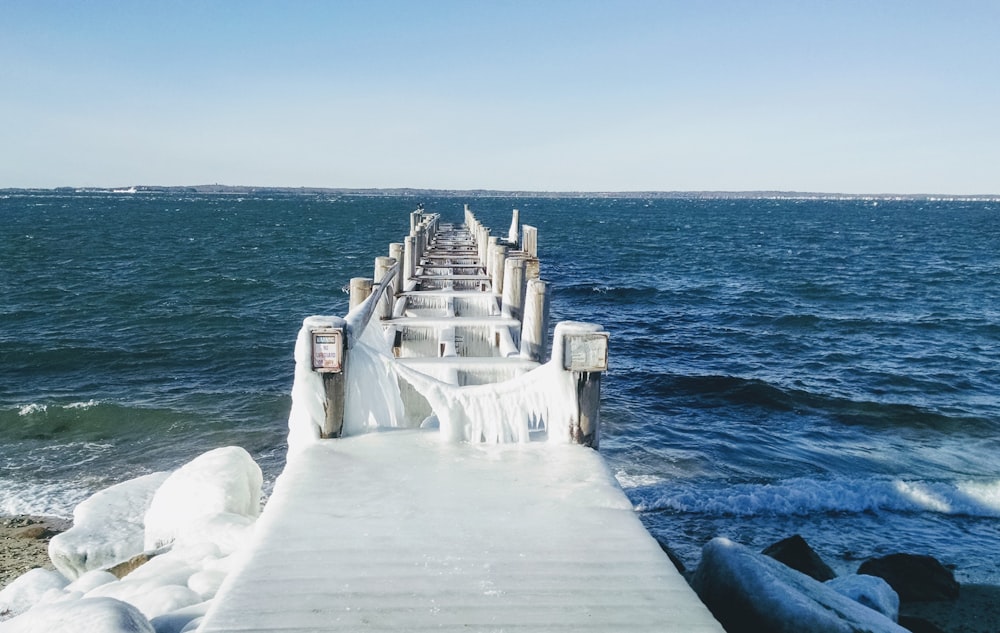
{"x": 829, "y": 368}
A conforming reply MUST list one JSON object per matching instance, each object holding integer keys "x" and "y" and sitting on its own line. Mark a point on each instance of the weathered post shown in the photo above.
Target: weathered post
{"x": 529, "y": 240}
{"x": 409, "y": 259}
{"x": 513, "y": 287}
{"x": 382, "y": 267}
{"x": 491, "y": 246}
{"x": 582, "y": 350}
{"x": 396, "y": 252}
{"x": 361, "y": 288}
{"x": 536, "y": 320}
{"x": 515, "y": 225}
{"x": 499, "y": 257}
{"x": 329, "y": 359}
{"x": 482, "y": 243}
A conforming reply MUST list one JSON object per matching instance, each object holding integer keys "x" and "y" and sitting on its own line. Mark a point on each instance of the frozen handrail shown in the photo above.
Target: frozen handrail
{"x": 358, "y": 318}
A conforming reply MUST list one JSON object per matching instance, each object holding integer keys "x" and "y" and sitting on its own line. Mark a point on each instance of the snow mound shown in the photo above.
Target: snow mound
{"x": 107, "y": 528}
{"x": 225, "y": 480}
{"x": 88, "y": 615}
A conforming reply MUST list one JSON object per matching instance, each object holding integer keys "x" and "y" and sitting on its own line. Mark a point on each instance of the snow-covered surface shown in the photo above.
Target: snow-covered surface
{"x": 90, "y": 615}
{"x": 108, "y": 528}
{"x": 222, "y": 481}
{"x": 401, "y": 531}
{"x": 203, "y": 513}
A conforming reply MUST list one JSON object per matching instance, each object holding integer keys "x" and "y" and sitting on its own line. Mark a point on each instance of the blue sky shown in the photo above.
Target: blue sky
{"x": 823, "y": 95}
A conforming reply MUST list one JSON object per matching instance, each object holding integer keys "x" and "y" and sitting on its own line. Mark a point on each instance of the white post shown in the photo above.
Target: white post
{"x": 515, "y": 225}
{"x": 499, "y": 256}
{"x": 529, "y": 240}
{"x": 491, "y": 247}
{"x": 409, "y": 259}
{"x": 536, "y": 317}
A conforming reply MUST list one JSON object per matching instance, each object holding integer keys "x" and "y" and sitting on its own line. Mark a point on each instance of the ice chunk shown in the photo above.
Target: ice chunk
{"x": 29, "y": 588}
{"x": 219, "y": 481}
{"x": 88, "y": 615}
{"x": 871, "y": 591}
{"x": 748, "y": 591}
{"x": 107, "y": 527}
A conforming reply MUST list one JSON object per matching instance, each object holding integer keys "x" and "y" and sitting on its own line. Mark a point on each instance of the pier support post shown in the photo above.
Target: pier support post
{"x": 529, "y": 240}
{"x": 582, "y": 349}
{"x": 409, "y": 258}
{"x": 513, "y": 288}
{"x": 499, "y": 257}
{"x": 515, "y": 225}
{"x": 382, "y": 266}
{"x": 329, "y": 359}
{"x": 491, "y": 247}
{"x": 361, "y": 288}
{"x": 536, "y": 320}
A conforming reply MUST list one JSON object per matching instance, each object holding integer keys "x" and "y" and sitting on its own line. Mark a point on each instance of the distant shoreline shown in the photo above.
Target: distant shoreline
{"x": 496, "y": 193}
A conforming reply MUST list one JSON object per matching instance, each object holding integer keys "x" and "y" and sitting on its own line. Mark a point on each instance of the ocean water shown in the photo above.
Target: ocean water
{"x": 823, "y": 367}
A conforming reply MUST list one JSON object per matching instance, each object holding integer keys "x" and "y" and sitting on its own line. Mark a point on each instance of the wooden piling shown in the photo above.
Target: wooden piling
{"x": 361, "y": 288}
{"x": 499, "y": 257}
{"x": 382, "y": 267}
{"x": 513, "y": 287}
{"x": 534, "y": 326}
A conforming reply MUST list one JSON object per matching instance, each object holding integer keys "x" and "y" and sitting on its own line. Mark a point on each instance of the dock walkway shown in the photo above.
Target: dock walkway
{"x": 400, "y": 531}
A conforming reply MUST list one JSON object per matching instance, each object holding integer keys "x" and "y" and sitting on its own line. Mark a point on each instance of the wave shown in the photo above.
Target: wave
{"x": 723, "y": 391}
{"x": 807, "y": 496}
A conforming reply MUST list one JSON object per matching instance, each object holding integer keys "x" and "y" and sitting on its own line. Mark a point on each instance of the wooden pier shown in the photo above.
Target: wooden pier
{"x": 448, "y": 522}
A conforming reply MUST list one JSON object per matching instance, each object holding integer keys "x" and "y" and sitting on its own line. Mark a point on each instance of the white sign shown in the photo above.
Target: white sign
{"x": 586, "y": 352}
{"x": 328, "y": 350}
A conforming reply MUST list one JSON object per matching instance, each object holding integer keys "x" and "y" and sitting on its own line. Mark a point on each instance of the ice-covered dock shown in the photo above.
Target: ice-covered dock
{"x": 462, "y": 492}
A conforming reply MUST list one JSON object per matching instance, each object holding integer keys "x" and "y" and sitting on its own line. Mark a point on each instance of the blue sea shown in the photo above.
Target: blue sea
{"x": 823, "y": 367}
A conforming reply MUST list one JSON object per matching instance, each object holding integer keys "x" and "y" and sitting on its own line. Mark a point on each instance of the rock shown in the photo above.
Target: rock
{"x": 871, "y": 591}
{"x": 32, "y": 532}
{"x": 796, "y": 553}
{"x": 914, "y": 577}
{"x": 749, "y": 592}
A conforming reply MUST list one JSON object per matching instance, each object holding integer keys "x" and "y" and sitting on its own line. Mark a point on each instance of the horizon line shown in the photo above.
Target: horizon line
{"x": 444, "y": 192}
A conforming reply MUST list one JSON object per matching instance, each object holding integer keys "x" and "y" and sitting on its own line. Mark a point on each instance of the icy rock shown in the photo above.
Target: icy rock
{"x": 796, "y": 553}
{"x": 29, "y": 588}
{"x": 915, "y": 578}
{"x": 871, "y": 591}
{"x": 179, "y": 620}
{"x": 88, "y": 615}
{"x": 91, "y": 580}
{"x": 751, "y": 592}
{"x": 219, "y": 481}
{"x": 107, "y": 528}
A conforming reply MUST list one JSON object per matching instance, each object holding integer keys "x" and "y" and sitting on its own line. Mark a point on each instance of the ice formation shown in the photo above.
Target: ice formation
{"x": 748, "y": 591}
{"x": 196, "y": 518}
{"x": 108, "y": 528}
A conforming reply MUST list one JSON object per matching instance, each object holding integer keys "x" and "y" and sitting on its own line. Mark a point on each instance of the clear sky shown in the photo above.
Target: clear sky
{"x": 809, "y": 95}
